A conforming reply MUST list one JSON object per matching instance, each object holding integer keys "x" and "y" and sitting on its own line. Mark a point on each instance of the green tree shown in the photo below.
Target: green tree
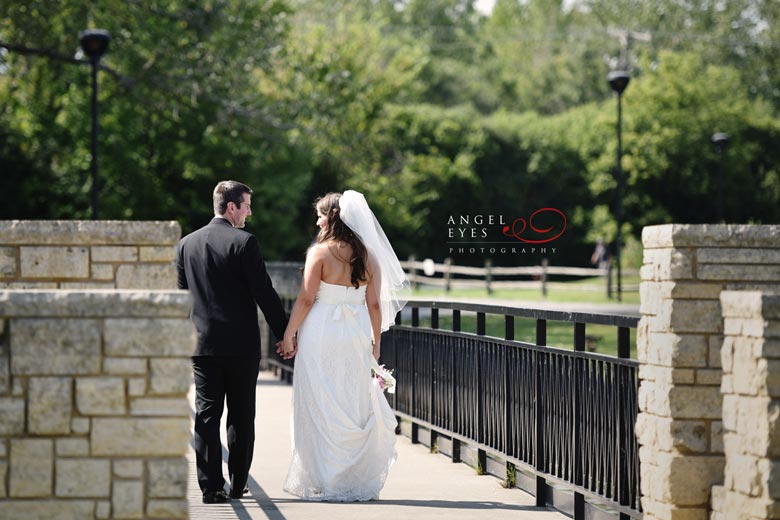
{"x": 426, "y": 106}
{"x": 180, "y": 112}
{"x": 549, "y": 57}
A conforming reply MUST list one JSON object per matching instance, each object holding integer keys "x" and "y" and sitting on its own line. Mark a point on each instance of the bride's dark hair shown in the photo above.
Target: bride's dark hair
{"x": 335, "y": 229}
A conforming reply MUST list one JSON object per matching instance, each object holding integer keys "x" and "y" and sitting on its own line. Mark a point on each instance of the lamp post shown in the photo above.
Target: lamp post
{"x": 618, "y": 81}
{"x": 721, "y": 142}
{"x": 94, "y": 43}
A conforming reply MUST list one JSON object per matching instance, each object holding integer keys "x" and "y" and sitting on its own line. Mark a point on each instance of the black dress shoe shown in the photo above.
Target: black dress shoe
{"x": 215, "y": 497}
{"x": 239, "y": 494}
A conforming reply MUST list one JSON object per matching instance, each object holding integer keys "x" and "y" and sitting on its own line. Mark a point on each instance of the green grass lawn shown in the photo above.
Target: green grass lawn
{"x": 600, "y": 338}
{"x": 553, "y": 295}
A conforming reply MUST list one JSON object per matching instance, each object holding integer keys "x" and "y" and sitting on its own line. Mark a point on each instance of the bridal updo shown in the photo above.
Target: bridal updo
{"x": 335, "y": 229}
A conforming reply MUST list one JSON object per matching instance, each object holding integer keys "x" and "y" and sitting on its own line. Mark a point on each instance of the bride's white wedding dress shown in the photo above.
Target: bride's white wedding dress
{"x": 343, "y": 428}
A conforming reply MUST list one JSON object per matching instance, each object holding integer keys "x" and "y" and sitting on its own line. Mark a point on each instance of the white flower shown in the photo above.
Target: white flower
{"x": 384, "y": 379}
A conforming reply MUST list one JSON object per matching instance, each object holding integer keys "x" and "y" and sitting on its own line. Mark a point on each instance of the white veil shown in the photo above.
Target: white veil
{"x": 394, "y": 288}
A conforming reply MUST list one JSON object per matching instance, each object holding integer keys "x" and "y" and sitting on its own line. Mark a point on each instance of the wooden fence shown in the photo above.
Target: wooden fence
{"x": 446, "y": 275}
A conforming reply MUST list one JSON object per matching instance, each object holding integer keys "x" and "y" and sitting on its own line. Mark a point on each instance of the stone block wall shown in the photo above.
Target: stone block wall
{"x": 679, "y": 340}
{"x": 72, "y": 254}
{"x": 94, "y": 418}
{"x": 751, "y": 408}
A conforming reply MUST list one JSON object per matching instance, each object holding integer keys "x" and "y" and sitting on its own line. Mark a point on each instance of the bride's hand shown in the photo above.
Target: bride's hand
{"x": 376, "y": 351}
{"x": 279, "y": 345}
{"x": 287, "y": 348}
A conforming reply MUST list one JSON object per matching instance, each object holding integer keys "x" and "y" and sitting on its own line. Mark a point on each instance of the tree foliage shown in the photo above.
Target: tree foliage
{"x": 427, "y": 106}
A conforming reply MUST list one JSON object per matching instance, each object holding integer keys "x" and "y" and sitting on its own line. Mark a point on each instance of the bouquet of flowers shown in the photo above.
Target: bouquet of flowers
{"x": 384, "y": 378}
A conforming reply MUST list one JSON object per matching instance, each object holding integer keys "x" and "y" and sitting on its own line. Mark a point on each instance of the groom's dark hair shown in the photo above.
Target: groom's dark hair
{"x": 229, "y": 191}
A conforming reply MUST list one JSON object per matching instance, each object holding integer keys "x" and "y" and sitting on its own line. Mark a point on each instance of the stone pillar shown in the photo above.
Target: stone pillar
{"x": 94, "y": 417}
{"x": 751, "y": 407}
{"x": 87, "y": 254}
{"x": 679, "y": 427}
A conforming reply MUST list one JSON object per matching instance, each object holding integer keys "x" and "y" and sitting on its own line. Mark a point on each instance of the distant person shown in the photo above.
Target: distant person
{"x": 353, "y": 286}
{"x": 600, "y": 257}
{"x": 223, "y": 269}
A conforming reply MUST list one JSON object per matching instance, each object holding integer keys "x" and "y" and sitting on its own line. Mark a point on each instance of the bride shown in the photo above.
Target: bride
{"x": 353, "y": 286}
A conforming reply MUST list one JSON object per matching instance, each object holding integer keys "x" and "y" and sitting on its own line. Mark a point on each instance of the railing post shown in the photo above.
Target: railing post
{"x": 434, "y": 367}
{"x": 488, "y": 275}
{"x": 482, "y": 462}
{"x": 431, "y": 386}
{"x": 545, "y": 263}
{"x": 480, "y": 323}
{"x": 509, "y": 333}
{"x": 578, "y": 477}
{"x": 447, "y": 274}
{"x": 455, "y": 320}
{"x": 413, "y": 373}
{"x": 541, "y": 485}
{"x": 454, "y": 379}
{"x": 623, "y": 430}
{"x": 413, "y": 272}
{"x": 395, "y": 366}
{"x": 480, "y": 394}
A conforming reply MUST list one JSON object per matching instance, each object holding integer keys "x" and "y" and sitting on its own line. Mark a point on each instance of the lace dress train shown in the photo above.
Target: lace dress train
{"x": 343, "y": 428}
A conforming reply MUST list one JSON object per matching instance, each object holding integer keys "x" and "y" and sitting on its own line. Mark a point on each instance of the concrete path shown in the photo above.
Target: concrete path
{"x": 420, "y": 486}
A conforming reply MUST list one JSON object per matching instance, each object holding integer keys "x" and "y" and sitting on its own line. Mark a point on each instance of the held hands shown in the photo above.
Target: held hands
{"x": 288, "y": 347}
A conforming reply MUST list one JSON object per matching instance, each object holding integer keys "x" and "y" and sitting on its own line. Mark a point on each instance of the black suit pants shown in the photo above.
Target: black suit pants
{"x": 220, "y": 379}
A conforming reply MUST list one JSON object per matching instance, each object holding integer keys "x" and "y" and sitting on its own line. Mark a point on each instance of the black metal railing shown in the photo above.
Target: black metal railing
{"x": 565, "y": 416}
{"x": 281, "y": 367}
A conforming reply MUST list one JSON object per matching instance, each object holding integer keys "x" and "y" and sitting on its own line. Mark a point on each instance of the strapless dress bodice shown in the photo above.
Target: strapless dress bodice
{"x": 331, "y": 293}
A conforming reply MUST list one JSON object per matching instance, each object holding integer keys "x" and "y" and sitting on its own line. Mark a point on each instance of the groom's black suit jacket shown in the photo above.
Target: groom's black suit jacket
{"x": 224, "y": 271}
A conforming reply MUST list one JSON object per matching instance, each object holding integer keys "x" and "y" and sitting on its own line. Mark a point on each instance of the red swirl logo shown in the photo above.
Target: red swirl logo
{"x": 513, "y": 232}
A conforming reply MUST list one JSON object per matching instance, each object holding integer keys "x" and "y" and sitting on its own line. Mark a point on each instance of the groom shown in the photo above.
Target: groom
{"x": 223, "y": 269}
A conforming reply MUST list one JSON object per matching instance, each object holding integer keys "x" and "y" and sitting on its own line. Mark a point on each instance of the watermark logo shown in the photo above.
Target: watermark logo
{"x": 513, "y": 231}
{"x": 497, "y": 234}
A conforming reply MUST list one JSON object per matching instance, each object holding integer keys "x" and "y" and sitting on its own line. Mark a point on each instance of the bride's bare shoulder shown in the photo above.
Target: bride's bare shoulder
{"x": 326, "y": 250}
{"x": 317, "y": 250}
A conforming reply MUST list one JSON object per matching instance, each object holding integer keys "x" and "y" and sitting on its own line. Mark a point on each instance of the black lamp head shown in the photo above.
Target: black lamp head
{"x": 618, "y": 80}
{"x": 720, "y": 140}
{"x": 94, "y": 42}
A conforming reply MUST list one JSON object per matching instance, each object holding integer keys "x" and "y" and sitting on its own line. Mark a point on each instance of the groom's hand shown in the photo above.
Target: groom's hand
{"x": 288, "y": 355}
